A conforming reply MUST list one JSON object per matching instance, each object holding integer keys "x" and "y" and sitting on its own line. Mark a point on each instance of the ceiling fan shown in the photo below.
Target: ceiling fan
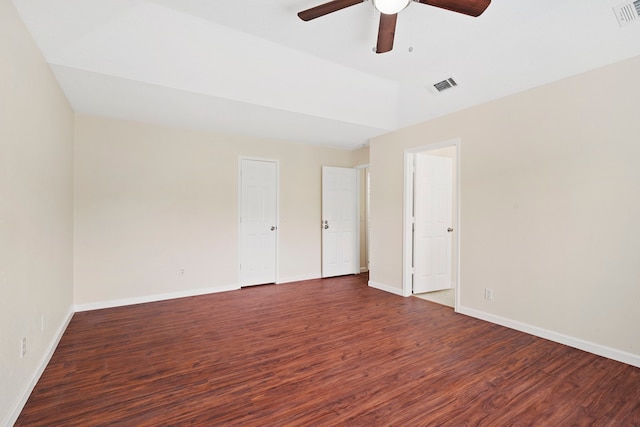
{"x": 389, "y": 13}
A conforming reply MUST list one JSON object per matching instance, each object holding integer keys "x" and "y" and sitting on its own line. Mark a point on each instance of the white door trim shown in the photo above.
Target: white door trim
{"x": 365, "y": 213}
{"x": 407, "y": 238}
{"x": 239, "y": 213}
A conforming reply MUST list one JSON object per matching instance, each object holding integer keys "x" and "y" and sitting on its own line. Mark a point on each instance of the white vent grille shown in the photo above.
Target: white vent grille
{"x": 447, "y": 84}
{"x": 627, "y": 12}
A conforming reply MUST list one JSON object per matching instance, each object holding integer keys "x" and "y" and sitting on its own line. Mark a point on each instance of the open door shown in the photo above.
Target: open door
{"x": 340, "y": 227}
{"x": 432, "y": 236}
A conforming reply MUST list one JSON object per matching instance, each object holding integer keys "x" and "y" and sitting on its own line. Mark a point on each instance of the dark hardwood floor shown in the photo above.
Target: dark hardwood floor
{"x": 319, "y": 353}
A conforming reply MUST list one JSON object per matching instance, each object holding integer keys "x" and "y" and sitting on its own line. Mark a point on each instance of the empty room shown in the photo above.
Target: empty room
{"x": 241, "y": 213}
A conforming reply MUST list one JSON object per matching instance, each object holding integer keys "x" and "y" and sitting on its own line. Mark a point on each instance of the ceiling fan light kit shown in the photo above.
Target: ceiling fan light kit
{"x": 389, "y": 10}
{"x": 390, "y": 7}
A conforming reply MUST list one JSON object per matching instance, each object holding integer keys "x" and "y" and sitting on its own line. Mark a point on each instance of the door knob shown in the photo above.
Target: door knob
{"x": 273, "y": 227}
{"x": 326, "y": 226}
{"x": 450, "y": 230}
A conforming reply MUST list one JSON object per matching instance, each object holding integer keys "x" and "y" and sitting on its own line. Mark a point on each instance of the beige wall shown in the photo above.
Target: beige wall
{"x": 36, "y": 148}
{"x": 549, "y": 205}
{"x": 151, "y": 200}
{"x": 360, "y": 157}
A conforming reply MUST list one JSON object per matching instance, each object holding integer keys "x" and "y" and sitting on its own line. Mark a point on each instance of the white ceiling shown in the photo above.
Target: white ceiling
{"x": 253, "y": 67}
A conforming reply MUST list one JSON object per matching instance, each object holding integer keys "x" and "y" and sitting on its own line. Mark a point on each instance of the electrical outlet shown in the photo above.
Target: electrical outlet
{"x": 488, "y": 294}
{"x": 23, "y": 347}
{"x": 181, "y": 272}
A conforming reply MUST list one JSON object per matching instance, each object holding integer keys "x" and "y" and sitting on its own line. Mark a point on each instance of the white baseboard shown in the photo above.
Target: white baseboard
{"x": 386, "y": 288}
{"x": 46, "y": 357}
{"x": 600, "y": 350}
{"x": 153, "y": 298}
{"x": 363, "y": 269}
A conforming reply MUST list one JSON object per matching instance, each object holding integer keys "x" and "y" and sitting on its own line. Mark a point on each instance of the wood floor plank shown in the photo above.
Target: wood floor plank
{"x": 322, "y": 352}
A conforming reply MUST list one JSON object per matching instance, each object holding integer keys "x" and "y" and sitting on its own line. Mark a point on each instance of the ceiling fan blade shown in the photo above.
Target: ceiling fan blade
{"x": 468, "y": 7}
{"x": 327, "y": 8}
{"x": 386, "y": 32}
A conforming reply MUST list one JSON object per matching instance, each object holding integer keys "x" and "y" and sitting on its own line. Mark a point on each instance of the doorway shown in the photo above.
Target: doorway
{"x": 364, "y": 196}
{"x": 431, "y": 222}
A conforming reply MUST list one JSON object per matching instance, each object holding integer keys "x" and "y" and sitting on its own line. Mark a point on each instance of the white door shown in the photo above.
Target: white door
{"x": 433, "y": 205}
{"x": 258, "y": 221}
{"x": 340, "y": 239}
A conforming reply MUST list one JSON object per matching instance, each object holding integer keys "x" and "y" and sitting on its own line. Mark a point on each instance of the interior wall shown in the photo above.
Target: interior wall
{"x": 360, "y": 156}
{"x": 549, "y": 206}
{"x": 36, "y": 154}
{"x": 152, "y": 200}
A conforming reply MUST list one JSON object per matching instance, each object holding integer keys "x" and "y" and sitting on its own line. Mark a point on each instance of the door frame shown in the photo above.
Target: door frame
{"x": 239, "y": 214}
{"x": 407, "y": 237}
{"x": 363, "y": 210}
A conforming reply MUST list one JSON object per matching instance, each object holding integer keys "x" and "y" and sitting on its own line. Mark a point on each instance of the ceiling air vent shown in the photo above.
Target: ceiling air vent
{"x": 446, "y": 84}
{"x": 627, "y": 12}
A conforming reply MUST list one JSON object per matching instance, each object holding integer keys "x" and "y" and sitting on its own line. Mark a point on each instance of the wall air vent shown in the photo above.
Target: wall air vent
{"x": 627, "y": 12}
{"x": 446, "y": 84}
